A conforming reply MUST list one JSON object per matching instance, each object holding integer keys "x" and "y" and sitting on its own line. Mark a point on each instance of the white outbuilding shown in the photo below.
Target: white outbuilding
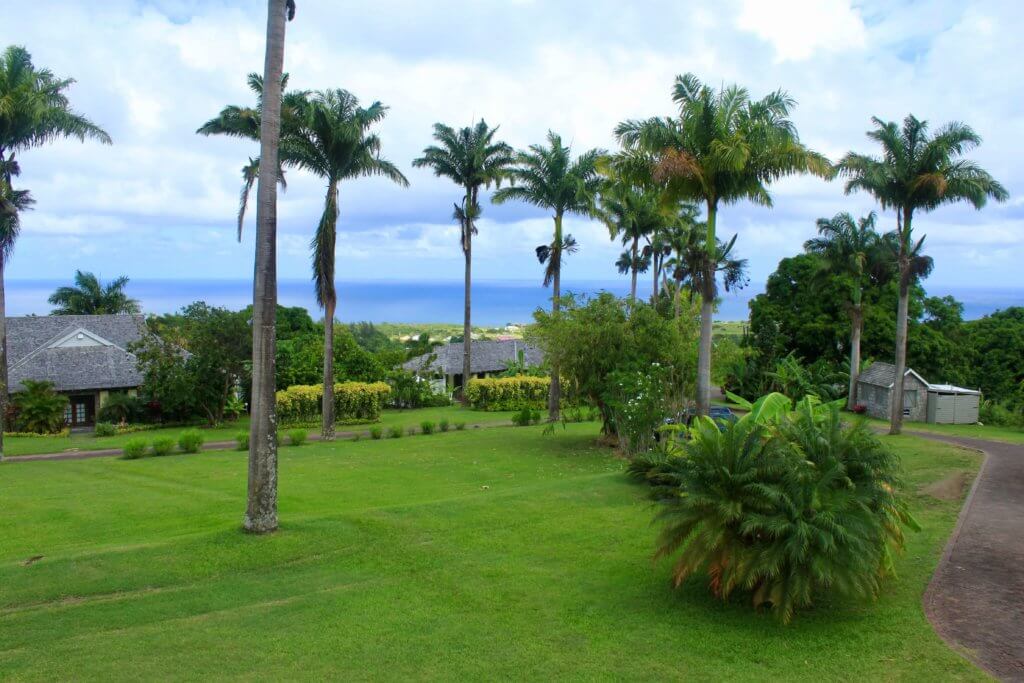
{"x": 948, "y": 404}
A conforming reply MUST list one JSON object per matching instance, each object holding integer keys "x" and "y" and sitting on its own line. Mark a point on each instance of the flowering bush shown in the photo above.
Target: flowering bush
{"x": 352, "y": 401}
{"x": 638, "y": 400}
{"x": 508, "y": 393}
{"x": 860, "y": 409}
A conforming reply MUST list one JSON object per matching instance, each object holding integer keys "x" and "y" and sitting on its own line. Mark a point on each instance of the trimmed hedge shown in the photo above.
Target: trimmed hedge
{"x": 362, "y": 401}
{"x": 508, "y": 393}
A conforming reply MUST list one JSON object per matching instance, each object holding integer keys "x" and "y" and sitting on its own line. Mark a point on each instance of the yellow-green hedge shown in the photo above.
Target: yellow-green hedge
{"x": 508, "y": 393}
{"x": 352, "y": 401}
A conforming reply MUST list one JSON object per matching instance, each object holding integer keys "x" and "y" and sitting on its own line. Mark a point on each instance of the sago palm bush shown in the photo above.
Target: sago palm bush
{"x": 784, "y": 506}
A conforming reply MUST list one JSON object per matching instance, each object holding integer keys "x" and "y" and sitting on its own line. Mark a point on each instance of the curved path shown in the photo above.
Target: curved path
{"x": 975, "y": 600}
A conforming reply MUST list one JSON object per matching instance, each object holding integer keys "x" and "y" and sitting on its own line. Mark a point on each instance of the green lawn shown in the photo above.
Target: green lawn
{"x": 498, "y": 553}
{"x": 994, "y": 433}
{"x": 28, "y": 445}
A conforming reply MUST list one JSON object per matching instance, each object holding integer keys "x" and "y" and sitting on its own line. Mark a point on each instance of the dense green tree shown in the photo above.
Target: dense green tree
{"x": 334, "y": 142}
{"x": 195, "y": 361}
{"x": 89, "y": 296}
{"x": 722, "y": 147}
{"x": 996, "y": 344}
{"x": 593, "y": 338}
{"x": 472, "y": 159}
{"x": 300, "y": 360}
{"x": 853, "y": 253}
{"x": 34, "y": 111}
{"x": 548, "y": 177}
{"x": 917, "y": 172}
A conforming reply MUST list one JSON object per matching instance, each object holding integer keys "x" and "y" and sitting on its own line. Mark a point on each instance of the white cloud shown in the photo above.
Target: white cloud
{"x": 797, "y": 29}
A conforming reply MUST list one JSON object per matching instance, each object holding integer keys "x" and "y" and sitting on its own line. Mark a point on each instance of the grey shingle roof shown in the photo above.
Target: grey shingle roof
{"x": 882, "y": 375}
{"x": 487, "y": 356}
{"x": 104, "y": 364}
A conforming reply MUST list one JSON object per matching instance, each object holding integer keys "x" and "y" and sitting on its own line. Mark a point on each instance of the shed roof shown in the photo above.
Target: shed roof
{"x": 75, "y": 352}
{"x": 884, "y": 375}
{"x": 487, "y": 356}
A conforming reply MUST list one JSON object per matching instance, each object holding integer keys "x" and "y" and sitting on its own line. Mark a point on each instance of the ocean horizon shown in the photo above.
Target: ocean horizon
{"x": 495, "y": 302}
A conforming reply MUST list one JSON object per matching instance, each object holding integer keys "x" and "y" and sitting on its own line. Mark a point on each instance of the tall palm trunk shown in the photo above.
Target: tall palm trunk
{"x": 327, "y": 417}
{"x": 632, "y": 268}
{"x": 3, "y": 354}
{"x": 678, "y": 294}
{"x": 325, "y": 242}
{"x": 657, "y": 272}
{"x": 467, "y": 328}
{"x": 706, "y": 319}
{"x": 856, "y": 325}
{"x": 903, "y": 218}
{"x": 261, "y": 509}
{"x": 555, "y": 393}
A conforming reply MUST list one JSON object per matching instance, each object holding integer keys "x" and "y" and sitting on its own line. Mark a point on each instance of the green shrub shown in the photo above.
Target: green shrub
{"x": 376, "y": 433}
{"x": 1000, "y": 414}
{"x": 297, "y": 437}
{"x": 39, "y": 408}
{"x": 163, "y": 445}
{"x": 786, "y": 505}
{"x": 105, "y": 429}
{"x": 120, "y": 407}
{"x": 357, "y": 437}
{"x": 395, "y": 433}
{"x": 459, "y": 426}
{"x": 427, "y": 427}
{"x": 526, "y": 417}
{"x": 411, "y": 430}
{"x": 242, "y": 441}
{"x": 443, "y": 425}
{"x": 352, "y": 401}
{"x": 508, "y": 393}
{"x": 134, "y": 449}
{"x": 190, "y": 441}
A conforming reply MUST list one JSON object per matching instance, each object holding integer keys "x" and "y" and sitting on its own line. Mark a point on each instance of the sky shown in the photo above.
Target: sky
{"x": 161, "y": 201}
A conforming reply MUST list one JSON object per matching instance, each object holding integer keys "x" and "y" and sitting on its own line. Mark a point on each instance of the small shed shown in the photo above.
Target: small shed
{"x": 948, "y": 404}
{"x": 874, "y": 388}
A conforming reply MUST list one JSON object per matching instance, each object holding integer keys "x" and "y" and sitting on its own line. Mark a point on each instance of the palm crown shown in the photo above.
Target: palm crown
{"x": 89, "y": 296}
{"x": 850, "y": 248}
{"x": 550, "y": 178}
{"x": 332, "y": 139}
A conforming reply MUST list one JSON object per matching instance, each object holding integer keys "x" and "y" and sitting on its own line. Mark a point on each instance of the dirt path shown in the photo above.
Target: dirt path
{"x": 211, "y": 446}
{"x": 975, "y": 600}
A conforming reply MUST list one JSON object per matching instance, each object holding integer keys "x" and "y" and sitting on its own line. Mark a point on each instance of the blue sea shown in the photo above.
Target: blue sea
{"x": 495, "y": 302}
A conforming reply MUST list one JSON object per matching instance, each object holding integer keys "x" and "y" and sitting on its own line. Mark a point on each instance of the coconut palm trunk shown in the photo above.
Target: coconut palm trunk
{"x": 707, "y": 312}
{"x": 467, "y": 325}
{"x": 632, "y": 267}
{"x": 555, "y": 392}
{"x": 856, "y": 328}
{"x": 896, "y": 400}
{"x": 327, "y": 410}
{"x": 323, "y": 275}
{"x": 261, "y": 508}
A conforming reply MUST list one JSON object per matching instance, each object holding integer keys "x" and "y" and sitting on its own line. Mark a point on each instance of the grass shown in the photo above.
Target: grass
{"x": 408, "y": 558}
{"x": 990, "y": 432}
{"x": 28, "y": 445}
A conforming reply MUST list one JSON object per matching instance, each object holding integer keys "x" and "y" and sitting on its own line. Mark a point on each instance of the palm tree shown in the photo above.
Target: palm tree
{"x": 244, "y": 122}
{"x": 917, "y": 171}
{"x": 335, "y": 143}
{"x": 261, "y": 501}
{"x": 852, "y": 251}
{"x": 89, "y": 296}
{"x": 550, "y": 178}
{"x": 34, "y": 110}
{"x": 690, "y": 264}
{"x": 722, "y": 148}
{"x": 632, "y": 214}
{"x": 471, "y": 159}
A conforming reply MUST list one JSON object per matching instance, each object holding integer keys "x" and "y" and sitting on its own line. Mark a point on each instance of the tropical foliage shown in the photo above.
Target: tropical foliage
{"x": 38, "y": 408}
{"x": 89, "y": 296}
{"x": 472, "y": 159}
{"x": 917, "y": 171}
{"x": 722, "y": 147}
{"x": 784, "y": 506}
{"x": 550, "y": 178}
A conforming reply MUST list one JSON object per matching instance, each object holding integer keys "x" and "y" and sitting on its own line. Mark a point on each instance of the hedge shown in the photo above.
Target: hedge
{"x": 508, "y": 393}
{"x": 352, "y": 401}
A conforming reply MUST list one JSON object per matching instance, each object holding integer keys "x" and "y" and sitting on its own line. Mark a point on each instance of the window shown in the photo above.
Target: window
{"x": 909, "y": 398}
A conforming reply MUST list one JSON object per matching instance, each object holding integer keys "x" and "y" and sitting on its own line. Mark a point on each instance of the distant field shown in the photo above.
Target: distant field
{"x": 729, "y": 328}
{"x": 440, "y": 331}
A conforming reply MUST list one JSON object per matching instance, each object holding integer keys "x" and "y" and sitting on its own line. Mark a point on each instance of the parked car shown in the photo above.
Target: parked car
{"x": 722, "y": 416}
